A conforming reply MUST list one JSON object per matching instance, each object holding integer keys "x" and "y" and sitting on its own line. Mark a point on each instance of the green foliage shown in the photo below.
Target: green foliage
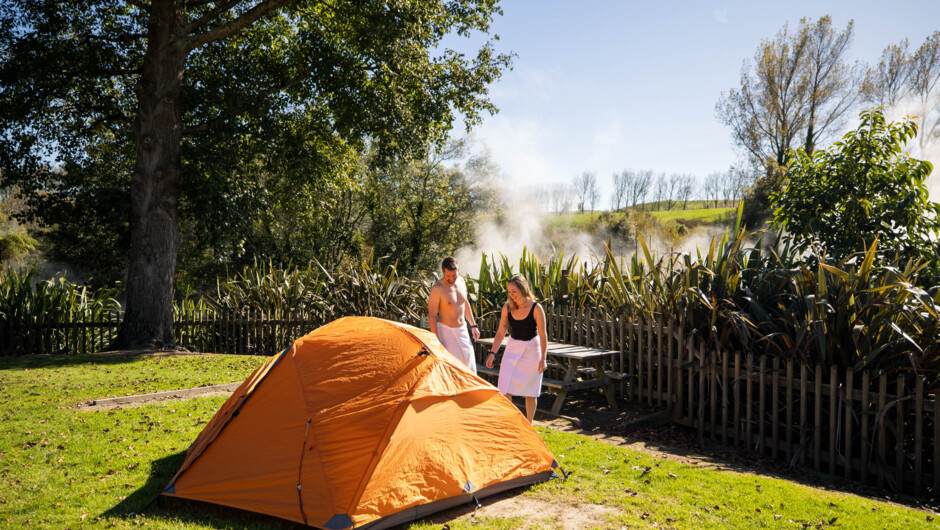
{"x": 14, "y": 247}
{"x": 275, "y": 118}
{"x": 420, "y": 211}
{"x": 860, "y": 189}
{"x": 371, "y": 287}
{"x": 24, "y": 300}
{"x": 757, "y": 205}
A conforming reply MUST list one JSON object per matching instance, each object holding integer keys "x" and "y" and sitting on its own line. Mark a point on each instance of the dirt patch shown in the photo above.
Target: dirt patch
{"x": 535, "y": 513}
{"x": 143, "y": 399}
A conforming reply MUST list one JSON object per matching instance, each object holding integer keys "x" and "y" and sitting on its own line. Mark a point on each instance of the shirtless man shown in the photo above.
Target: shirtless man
{"x": 449, "y": 312}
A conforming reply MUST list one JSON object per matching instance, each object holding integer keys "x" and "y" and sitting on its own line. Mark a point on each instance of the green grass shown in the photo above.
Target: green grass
{"x": 60, "y": 467}
{"x": 706, "y": 215}
{"x": 695, "y": 211}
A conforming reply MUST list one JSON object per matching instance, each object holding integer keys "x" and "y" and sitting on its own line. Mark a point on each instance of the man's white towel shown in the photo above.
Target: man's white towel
{"x": 457, "y": 342}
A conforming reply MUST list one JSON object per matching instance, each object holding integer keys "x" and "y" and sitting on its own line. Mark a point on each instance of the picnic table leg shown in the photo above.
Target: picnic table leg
{"x": 608, "y": 387}
{"x": 559, "y": 400}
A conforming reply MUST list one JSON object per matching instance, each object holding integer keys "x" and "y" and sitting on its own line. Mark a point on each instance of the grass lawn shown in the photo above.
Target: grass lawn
{"x": 65, "y": 468}
{"x": 707, "y": 215}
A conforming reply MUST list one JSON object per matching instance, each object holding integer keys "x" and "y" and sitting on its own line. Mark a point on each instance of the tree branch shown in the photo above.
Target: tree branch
{"x": 139, "y": 5}
{"x": 208, "y": 17}
{"x": 234, "y": 26}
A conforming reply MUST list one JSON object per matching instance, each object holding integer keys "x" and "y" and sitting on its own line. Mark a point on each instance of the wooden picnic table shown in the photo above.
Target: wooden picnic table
{"x": 584, "y": 368}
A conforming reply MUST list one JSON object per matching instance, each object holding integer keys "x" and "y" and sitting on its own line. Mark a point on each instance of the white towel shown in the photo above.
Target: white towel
{"x": 457, "y": 342}
{"x": 519, "y": 370}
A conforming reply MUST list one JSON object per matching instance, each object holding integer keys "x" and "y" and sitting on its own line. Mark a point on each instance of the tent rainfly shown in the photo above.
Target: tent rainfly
{"x": 363, "y": 423}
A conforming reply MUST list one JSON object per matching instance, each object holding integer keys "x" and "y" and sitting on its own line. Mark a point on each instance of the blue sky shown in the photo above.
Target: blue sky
{"x": 603, "y": 86}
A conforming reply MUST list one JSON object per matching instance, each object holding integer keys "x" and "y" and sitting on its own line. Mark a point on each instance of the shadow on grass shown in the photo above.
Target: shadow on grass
{"x": 106, "y": 358}
{"x": 147, "y": 500}
{"x": 680, "y": 443}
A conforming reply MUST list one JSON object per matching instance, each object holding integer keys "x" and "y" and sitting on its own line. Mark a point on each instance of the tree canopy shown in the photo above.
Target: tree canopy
{"x": 863, "y": 187}
{"x": 150, "y": 122}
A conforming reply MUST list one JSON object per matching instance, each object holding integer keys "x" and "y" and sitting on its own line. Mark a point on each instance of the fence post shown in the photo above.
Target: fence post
{"x": 775, "y": 404}
{"x": 789, "y": 410}
{"x": 865, "y": 444}
{"x": 899, "y": 454}
{"x": 849, "y": 408}
{"x": 833, "y": 416}
{"x": 761, "y": 400}
{"x": 919, "y": 436}
{"x": 659, "y": 361}
{"x": 882, "y": 430}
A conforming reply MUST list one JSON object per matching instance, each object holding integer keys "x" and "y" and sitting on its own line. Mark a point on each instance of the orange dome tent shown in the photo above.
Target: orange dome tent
{"x": 363, "y": 423}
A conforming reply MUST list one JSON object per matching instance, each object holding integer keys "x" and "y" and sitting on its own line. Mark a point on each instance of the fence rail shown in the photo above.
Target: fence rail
{"x": 873, "y": 428}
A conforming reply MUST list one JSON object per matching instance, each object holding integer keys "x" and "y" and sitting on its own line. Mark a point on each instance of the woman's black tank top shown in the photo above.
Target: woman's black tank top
{"x": 524, "y": 329}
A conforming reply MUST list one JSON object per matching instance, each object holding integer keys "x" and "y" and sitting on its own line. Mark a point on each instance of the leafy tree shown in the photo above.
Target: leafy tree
{"x": 800, "y": 89}
{"x": 861, "y": 188}
{"x": 163, "y": 108}
{"x": 14, "y": 247}
{"x": 421, "y": 211}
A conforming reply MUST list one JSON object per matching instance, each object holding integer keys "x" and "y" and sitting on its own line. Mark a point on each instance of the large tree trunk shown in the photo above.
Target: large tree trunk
{"x": 155, "y": 185}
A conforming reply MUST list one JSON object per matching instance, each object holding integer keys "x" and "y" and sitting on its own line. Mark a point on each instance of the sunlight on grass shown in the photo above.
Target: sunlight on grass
{"x": 61, "y": 467}
{"x": 706, "y": 215}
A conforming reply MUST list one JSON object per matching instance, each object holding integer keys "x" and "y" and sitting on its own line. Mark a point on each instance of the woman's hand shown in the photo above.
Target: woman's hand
{"x": 489, "y": 360}
{"x": 541, "y": 365}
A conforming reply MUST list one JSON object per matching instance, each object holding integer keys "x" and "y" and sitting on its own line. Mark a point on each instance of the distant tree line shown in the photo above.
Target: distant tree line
{"x": 644, "y": 190}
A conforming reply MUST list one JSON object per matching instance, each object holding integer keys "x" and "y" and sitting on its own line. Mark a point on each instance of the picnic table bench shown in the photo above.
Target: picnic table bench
{"x": 583, "y": 368}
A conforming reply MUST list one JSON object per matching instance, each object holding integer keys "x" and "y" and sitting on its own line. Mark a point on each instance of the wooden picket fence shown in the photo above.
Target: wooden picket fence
{"x": 247, "y": 332}
{"x": 866, "y": 427}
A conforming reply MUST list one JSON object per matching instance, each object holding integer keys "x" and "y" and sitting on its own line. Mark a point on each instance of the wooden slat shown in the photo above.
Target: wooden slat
{"x": 690, "y": 397}
{"x": 659, "y": 361}
{"x": 649, "y": 360}
{"x": 775, "y": 407}
{"x": 632, "y": 360}
{"x": 882, "y": 430}
{"x": 724, "y": 397}
{"x": 680, "y": 372}
{"x": 936, "y": 447}
{"x": 670, "y": 374}
{"x": 701, "y": 391}
{"x": 762, "y": 388}
{"x": 833, "y": 417}
{"x": 748, "y": 399}
{"x": 621, "y": 357}
{"x": 849, "y": 418}
{"x": 789, "y": 411}
{"x": 919, "y": 437}
{"x": 713, "y": 394}
{"x": 863, "y": 414}
{"x": 641, "y": 361}
{"x": 817, "y": 431}
{"x": 736, "y": 399}
{"x": 899, "y": 453}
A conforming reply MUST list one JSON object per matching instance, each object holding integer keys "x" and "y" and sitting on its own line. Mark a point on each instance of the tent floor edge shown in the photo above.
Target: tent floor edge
{"x": 419, "y": 512}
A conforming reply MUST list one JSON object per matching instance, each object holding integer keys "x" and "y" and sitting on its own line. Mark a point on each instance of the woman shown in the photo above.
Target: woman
{"x": 520, "y": 372}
